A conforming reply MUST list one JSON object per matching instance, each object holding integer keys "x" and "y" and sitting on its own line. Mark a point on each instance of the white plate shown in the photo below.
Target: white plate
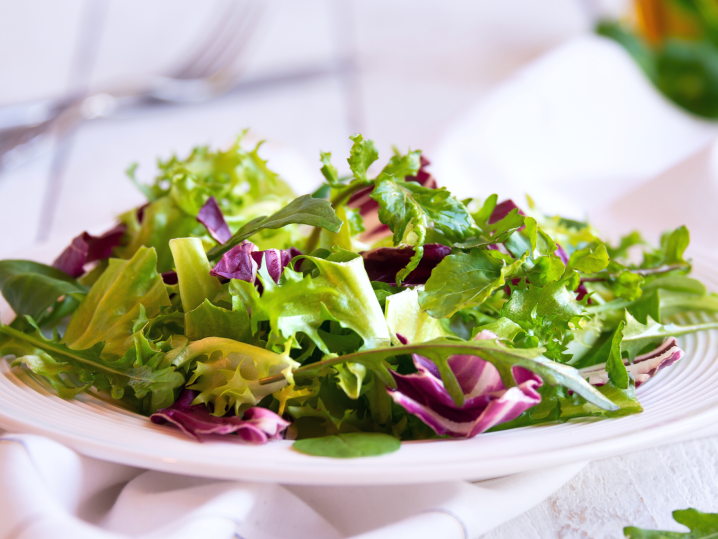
{"x": 677, "y": 401}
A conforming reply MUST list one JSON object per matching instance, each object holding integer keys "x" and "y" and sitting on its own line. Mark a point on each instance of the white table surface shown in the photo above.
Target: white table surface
{"x": 421, "y": 66}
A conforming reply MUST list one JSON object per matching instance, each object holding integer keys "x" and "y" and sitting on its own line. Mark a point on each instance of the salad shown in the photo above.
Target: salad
{"x": 378, "y": 309}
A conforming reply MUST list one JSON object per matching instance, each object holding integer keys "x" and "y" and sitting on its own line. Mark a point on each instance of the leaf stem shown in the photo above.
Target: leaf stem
{"x": 642, "y": 272}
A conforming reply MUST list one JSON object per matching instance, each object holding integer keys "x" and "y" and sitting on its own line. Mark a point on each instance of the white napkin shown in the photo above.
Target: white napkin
{"x": 577, "y": 130}
{"x": 48, "y": 490}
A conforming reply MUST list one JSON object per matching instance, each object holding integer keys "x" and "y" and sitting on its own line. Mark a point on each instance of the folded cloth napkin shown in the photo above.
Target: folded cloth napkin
{"x": 577, "y": 130}
{"x": 48, "y": 490}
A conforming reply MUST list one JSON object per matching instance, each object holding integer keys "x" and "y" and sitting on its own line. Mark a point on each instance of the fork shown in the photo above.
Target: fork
{"x": 209, "y": 72}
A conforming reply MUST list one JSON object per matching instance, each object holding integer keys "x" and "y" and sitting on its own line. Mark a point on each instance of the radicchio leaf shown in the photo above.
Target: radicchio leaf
{"x": 277, "y": 260}
{"x": 487, "y": 401}
{"x": 502, "y": 209}
{"x": 383, "y": 264}
{"x": 257, "y": 425}
{"x": 244, "y": 260}
{"x": 643, "y": 368}
{"x": 211, "y": 217}
{"x": 170, "y": 277}
{"x": 237, "y": 263}
{"x": 86, "y": 248}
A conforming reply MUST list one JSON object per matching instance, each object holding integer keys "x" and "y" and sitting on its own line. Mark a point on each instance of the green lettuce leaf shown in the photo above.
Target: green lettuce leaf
{"x": 617, "y": 373}
{"x": 108, "y": 312}
{"x": 362, "y": 154}
{"x": 31, "y": 288}
{"x": 637, "y": 336}
{"x": 227, "y": 372}
{"x": 548, "y": 314}
{"x": 209, "y": 320}
{"x": 701, "y": 526}
{"x": 341, "y": 292}
{"x": 405, "y": 317}
{"x": 195, "y": 283}
{"x": 464, "y": 280}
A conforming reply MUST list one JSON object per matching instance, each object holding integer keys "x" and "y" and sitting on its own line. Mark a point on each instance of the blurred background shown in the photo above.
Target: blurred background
{"x": 512, "y": 97}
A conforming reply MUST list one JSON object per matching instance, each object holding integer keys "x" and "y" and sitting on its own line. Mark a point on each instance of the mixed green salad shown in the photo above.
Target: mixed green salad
{"x": 378, "y": 309}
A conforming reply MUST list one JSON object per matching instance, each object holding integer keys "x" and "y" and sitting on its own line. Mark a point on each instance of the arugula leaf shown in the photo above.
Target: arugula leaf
{"x": 51, "y": 358}
{"x": 625, "y": 400}
{"x": 303, "y": 210}
{"x": 349, "y": 445}
{"x": 498, "y": 232}
{"x": 407, "y": 207}
{"x": 558, "y": 406}
{"x": 114, "y": 302}
{"x": 439, "y": 350}
{"x": 701, "y": 526}
{"x": 637, "y": 336}
{"x": 340, "y": 291}
{"x": 464, "y": 280}
{"x": 193, "y": 272}
{"x": 362, "y": 154}
{"x": 409, "y": 210}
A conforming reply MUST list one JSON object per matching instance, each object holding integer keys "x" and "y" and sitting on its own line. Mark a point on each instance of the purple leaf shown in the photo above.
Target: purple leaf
{"x": 384, "y": 263}
{"x": 276, "y": 260}
{"x": 502, "y": 209}
{"x": 86, "y": 248}
{"x": 488, "y": 402}
{"x": 244, "y": 260}
{"x": 170, "y": 277}
{"x": 257, "y": 425}
{"x": 643, "y": 368}
{"x": 211, "y": 217}
{"x": 237, "y": 263}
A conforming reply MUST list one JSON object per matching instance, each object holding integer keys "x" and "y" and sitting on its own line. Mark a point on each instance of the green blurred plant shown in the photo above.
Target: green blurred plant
{"x": 675, "y": 42}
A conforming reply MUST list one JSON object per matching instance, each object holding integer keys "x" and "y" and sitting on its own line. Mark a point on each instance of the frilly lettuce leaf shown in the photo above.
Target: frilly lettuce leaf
{"x": 340, "y": 291}
{"x": 547, "y": 314}
{"x": 227, "y": 372}
{"x": 362, "y": 154}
